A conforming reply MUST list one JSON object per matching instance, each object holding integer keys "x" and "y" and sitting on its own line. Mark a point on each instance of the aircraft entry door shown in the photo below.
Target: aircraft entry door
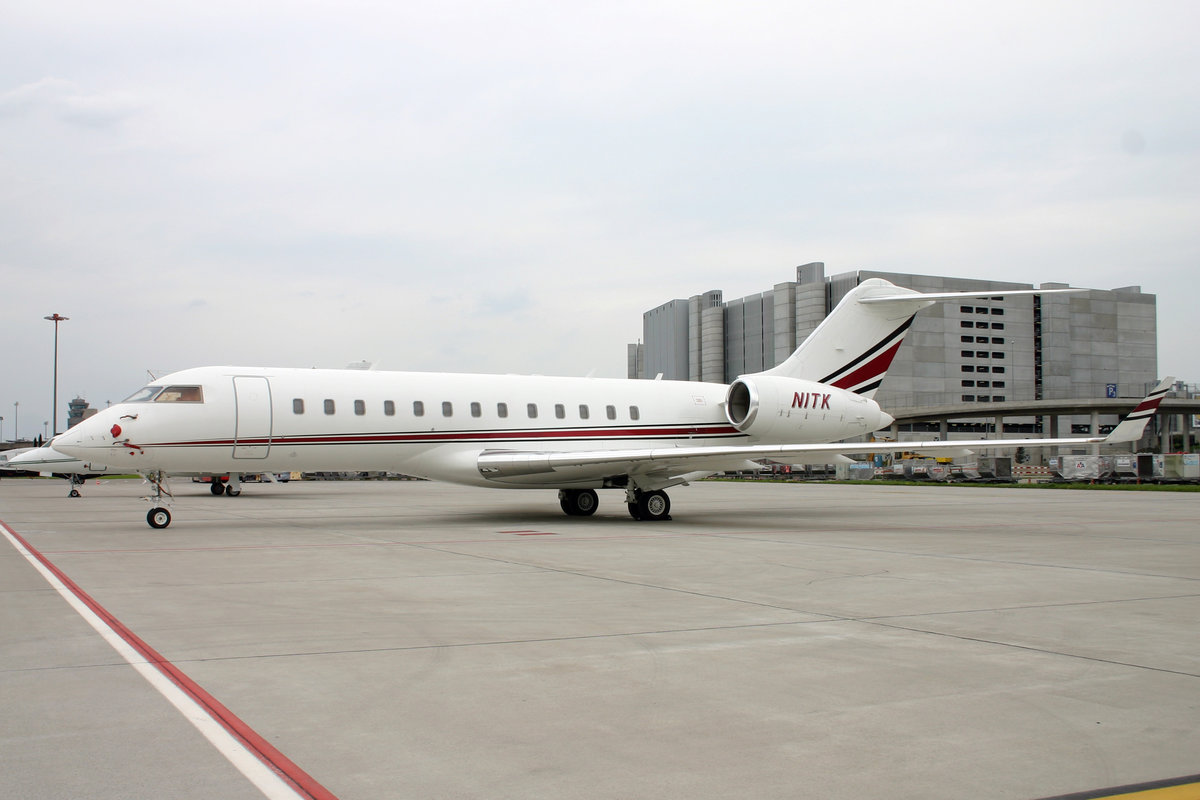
{"x": 252, "y": 429}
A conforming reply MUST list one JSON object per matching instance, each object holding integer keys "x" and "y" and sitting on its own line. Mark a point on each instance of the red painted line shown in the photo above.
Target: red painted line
{"x": 536, "y": 533}
{"x": 299, "y": 780}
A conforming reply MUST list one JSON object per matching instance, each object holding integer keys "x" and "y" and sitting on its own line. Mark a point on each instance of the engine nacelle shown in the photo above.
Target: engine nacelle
{"x": 778, "y": 410}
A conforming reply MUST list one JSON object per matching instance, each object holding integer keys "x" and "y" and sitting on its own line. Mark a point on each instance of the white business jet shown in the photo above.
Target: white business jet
{"x": 575, "y": 435}
{"x": 48, "y": 461}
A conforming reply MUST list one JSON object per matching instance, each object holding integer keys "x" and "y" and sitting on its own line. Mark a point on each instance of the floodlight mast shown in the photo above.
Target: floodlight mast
{"x": 56, "y": 318}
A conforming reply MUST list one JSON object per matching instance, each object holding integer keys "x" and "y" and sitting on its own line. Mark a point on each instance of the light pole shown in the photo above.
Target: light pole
{"x": 1, "y": 429}
{"x": 56, "y": 318}
{"x": 16, "y": 420}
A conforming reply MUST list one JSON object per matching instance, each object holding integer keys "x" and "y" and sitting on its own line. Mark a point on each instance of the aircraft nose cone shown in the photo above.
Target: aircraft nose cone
{"x": 885, "y": 420}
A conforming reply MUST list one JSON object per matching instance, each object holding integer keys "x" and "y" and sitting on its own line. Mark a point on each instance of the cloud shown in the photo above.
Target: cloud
{"x": 63, "y": 100}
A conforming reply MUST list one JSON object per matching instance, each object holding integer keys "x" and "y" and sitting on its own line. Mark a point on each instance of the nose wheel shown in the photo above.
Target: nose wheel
{"x": 158, "y": 517}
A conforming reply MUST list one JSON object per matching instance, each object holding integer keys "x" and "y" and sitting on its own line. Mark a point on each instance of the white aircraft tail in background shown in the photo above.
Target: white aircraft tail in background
{"x": 576, "y": 435}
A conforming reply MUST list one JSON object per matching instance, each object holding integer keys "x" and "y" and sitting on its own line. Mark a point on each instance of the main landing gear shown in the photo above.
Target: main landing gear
{"x": 76, "y": 482}
{"x": 231, "y": 486}
{"x": 652, "y": 506}
{"x": 578, "y": 502}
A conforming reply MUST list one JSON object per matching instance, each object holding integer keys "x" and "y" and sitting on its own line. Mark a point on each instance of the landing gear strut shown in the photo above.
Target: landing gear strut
{"x": 652, "y": 506}
{"x": 159, "y": 516}
{"x": 76, "y": 482}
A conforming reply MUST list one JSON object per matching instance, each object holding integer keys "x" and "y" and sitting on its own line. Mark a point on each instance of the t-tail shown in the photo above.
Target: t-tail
{"x": 854, "y": 346}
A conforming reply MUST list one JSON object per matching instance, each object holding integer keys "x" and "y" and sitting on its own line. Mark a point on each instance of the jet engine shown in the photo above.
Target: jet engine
{"x": 776, "y": 409}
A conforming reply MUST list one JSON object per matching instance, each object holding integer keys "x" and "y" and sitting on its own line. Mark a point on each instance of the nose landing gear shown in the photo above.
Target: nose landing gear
{"x": 158, "y": 516}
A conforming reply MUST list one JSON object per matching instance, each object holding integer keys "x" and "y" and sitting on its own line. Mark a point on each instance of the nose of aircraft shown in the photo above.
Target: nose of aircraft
{"x": 885, "y": 420}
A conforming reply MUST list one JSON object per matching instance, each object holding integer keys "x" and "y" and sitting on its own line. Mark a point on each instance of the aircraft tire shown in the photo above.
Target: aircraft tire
{"x": 654, "y": 506}
{"x": 158, "y": 517}
{"x": 232, "y": 492}
{"x": 74, "y": 493}
{"x": 578, "y": 502}
{"x": 633, "y": 510}
{"x": 216, "y": 487}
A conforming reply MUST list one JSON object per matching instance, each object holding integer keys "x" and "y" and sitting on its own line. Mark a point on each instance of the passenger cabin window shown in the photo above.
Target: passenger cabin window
{"x": 329, "y": 409}
{"x": 584, "y": 412}
{"x": 610, "y": 412}
{"x": 502, "y": 410}
{"x": 180, "y": 394}
{"x": 447, "y": 409}
{"x": 418, "y": 408}
{"x": 634, "y": 413}
{"x": 389, "y": 408}
{"x": 476, "y": 410}
{"x": 360, "y": 407}
{"x": 298, "y": 405}
{"x": 531, "y": 409}
{"x": 560, "y": 411}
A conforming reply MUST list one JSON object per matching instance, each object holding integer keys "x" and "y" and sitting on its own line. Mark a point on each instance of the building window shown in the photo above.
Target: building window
{"x": 983, "y": 384}
{"x": 418, "y": 408}
{"x": 560, "y": 411}
{"x": 967, "y": 353}
{"x": 447, "y": 408}
{"x": 502, "y": 410}
{"x": 967, "y": 339}
{"x": 966, "y": 323}
{"x": 584, "y": 413}
{"x": 360, "y": 408}
{"x": 998, "y": 369}
{"x": 997, "y": 354}
{"x": 968, "y": 398}
{"x": 982, "y": 354}
{"x": 998, "y": 384}
{"x": 983, "y": 398}
{"x": 997, "y": 340}
{"x": 981, "y": 369}
{"x": 531, "y": 410}
{"x": 298, "y": 406}
{"x": 329, "y": 407}
{"x": 476, "y": 410}
{"x": 968, "y": 368}
{"x": 998, "y": 398}
{"x": 980, "y": 310}
{"x": 389, "y": 408}
{"x": 968, "y": 384}
{"x": 996, "y": 325}
{"x": 610, "y": 412}
{"x": 966, "y": 309}
{"x": 997, "y": 312}
{"x": 635, "y": 413}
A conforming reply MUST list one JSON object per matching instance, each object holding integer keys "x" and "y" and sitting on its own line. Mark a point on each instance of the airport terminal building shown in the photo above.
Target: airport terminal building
{"x": 1096, "y": 343}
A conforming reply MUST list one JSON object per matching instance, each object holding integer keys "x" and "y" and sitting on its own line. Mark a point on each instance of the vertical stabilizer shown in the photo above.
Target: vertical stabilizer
{"x": 854, "y": 346}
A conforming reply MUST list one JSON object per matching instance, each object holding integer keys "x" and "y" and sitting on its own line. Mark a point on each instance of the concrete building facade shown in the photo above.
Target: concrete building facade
{"x": 1094, "y": 343}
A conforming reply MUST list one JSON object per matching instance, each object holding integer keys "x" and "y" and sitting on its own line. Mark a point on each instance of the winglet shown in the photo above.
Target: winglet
{"x": 1134, "y": 424}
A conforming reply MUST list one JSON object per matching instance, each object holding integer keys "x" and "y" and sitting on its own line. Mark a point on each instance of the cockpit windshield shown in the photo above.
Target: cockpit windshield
{"x": 143, "y": 395}
{"x": 167, "y": 394}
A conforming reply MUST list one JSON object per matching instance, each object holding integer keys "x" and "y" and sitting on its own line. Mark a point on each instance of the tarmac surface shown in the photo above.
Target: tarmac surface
{"x": 418, "y": 640}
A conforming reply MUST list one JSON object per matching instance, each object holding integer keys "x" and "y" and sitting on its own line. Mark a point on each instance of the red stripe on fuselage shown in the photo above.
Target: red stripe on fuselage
{"x": 517, "y": 436}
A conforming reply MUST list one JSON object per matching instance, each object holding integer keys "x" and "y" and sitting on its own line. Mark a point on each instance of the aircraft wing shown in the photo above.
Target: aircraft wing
{"x": 673, "y": 463}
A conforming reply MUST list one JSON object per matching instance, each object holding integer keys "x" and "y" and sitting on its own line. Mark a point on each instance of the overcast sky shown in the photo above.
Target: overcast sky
{"x": 507, "y": 186}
